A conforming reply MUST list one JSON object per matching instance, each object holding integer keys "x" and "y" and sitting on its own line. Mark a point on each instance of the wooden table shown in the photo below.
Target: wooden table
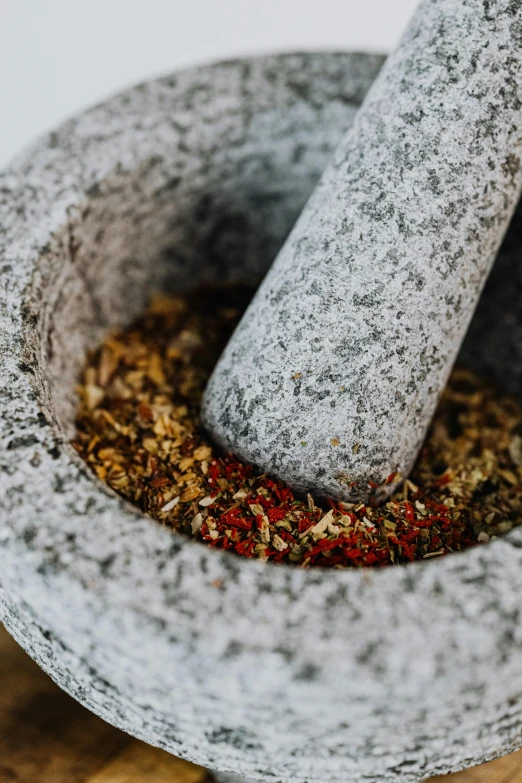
{"x": 46, "y": 737}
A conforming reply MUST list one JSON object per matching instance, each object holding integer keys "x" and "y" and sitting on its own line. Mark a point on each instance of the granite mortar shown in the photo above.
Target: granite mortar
{"x": 273, "y": 673}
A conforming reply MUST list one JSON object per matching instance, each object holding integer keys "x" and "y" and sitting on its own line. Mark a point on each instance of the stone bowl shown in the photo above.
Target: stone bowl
{"x": 273, "y": 673}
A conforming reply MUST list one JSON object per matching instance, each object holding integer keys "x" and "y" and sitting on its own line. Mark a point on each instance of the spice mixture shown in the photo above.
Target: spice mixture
{"x": 138, "y": 428}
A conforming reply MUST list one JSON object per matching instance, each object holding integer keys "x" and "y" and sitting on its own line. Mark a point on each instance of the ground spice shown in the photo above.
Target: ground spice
{"x": 138, "y": 429}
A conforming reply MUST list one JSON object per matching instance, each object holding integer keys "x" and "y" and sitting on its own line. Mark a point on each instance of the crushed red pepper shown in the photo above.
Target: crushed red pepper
{"x": 138, "y": 429}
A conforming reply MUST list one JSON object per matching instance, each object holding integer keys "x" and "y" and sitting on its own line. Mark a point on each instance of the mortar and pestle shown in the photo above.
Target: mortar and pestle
{"x": 274, "y": 673}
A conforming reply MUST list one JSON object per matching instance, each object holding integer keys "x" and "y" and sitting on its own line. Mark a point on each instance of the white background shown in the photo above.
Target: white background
{"x": 57, "y": 56}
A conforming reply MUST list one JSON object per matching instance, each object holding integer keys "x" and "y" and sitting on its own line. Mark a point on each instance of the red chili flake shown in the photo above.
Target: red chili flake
{"x": 243, "y": 524}
{"x": 261, "y": 500}
{"x": 324, "y": 546}
{"x": 408, "y": 550}
{"x": 276, "y": 514}
{"x": 304, "y": 523}
{"x": 408, "y": 511}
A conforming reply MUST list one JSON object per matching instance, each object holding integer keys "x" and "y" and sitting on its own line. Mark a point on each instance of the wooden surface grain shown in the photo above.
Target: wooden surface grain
{"x": 46, "y": 737}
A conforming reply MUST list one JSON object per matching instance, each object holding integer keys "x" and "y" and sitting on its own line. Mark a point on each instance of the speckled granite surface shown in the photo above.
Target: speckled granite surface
{"x": 335, "y": 371}
{"x": 273, "y": 673}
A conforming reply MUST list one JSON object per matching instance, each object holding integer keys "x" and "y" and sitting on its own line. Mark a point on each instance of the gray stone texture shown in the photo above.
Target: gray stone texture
{"x": 270, "y": 672}
{"x": 332, "y": 377}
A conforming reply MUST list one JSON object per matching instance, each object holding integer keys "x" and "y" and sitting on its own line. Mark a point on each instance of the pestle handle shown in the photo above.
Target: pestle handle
{"x": 333, "y": 375}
